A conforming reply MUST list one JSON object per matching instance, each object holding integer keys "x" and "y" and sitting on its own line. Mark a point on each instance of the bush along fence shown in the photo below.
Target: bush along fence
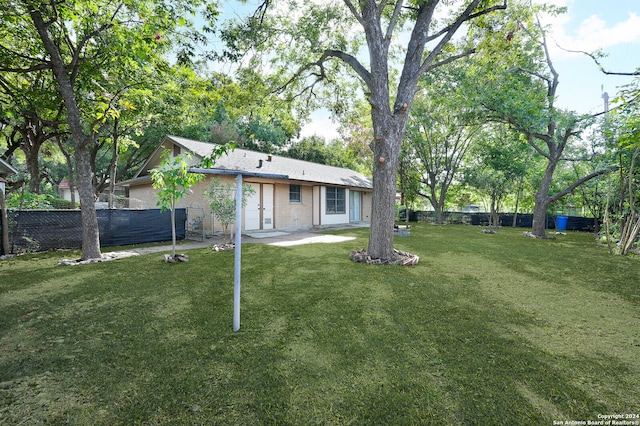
{"x": 574, "y": 223}
{"x": 41, "y": 230}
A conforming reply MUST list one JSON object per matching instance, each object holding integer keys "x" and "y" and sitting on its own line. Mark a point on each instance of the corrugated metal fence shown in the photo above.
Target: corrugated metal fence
{"x": 40, "y": 230}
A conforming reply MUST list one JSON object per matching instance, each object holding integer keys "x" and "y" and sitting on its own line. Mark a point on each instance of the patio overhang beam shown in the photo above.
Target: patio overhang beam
{"x": 236, "y": 172}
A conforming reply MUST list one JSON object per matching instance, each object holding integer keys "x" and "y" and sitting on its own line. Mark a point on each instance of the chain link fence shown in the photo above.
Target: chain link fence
{"x": 41, "y": 230}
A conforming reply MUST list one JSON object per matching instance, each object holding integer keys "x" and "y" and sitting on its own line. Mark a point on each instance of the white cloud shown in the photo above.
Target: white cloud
{"x": 592, "y": 33}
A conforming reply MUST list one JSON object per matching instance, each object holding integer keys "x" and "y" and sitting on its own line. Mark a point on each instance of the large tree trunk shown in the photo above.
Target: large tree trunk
{"x": 32, "y": 155}
{"x": 4, "y": 248}
{"x": 32, "y": 140}
{"x": 388, "y": 132}
{"x": 90, "y": 231}
{"x": 385, "y": 172}
{"x": 437, "y": 202}
{"x": 439, "y": 205}
{"x": 82, "y": 142}
{"x": 494, "y": 217}
{"x": 438, "y": 213}
{"x": 539, "y": 218}
{"x": 542, "y": 201}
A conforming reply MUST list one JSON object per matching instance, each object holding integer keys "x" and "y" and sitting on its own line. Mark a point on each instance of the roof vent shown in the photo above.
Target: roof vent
{"x": 269, "y": 158}
{"x": 259, "y": 163}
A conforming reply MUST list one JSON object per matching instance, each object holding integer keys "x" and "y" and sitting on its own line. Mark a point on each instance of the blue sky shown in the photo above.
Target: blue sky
{"x": 611, "y": 25}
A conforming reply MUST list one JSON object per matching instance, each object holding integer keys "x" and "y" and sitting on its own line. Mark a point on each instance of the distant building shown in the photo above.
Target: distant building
{"x": 64, "y": 191}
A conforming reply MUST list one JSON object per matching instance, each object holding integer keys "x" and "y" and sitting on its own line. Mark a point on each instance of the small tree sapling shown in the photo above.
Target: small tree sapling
{"x": 223, "y": 203}
{"x": 174, "y": 181}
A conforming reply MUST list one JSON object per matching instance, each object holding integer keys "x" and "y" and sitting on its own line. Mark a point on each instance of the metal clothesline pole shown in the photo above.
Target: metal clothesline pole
{"x": 238, "y": 248}
{"x": 237, "y": 255}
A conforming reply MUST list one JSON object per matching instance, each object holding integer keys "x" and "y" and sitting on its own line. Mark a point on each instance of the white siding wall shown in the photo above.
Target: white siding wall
{"x": 333, "y": 219}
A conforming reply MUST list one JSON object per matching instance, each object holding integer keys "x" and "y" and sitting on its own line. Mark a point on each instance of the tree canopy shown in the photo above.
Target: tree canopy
{"x": 387, "y": 46}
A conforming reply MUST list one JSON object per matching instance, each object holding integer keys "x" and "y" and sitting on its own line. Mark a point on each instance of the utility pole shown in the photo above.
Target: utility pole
{"x": 605, "y": 96}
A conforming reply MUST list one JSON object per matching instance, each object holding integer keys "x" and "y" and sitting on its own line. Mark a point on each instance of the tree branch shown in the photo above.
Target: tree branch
{"x": 533, "y": 73}
{"x": 42, "y": 64}
{"x": 579, "y": 182}
{"x": 452, "y": 28}
{"x": 73, "y": 67}
{"x": 539, "y": 150}
{"x": 354, "y": 12}
{"x": 600, "y": 66}
{"x": 448, "y": 28}
{"x": 350, "y": 60}
{"x": 33, "y": 68}
{"x": 393, "y": 21}
{"x": 450, "y": 59}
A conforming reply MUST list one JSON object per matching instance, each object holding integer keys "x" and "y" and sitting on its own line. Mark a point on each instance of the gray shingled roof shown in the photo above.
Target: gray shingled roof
{"x": 250, "y": 161}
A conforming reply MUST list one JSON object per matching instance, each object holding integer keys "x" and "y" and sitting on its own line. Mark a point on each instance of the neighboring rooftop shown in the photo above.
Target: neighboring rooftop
{"x": 6, "y": 168}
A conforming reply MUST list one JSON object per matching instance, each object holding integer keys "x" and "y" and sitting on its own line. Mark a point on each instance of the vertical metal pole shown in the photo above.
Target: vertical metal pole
{"x": 236, "y": 270}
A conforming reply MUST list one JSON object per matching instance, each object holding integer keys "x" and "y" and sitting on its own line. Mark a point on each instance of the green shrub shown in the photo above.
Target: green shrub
{"x": 59, "y": 203}
{"x": 29, "y": 201}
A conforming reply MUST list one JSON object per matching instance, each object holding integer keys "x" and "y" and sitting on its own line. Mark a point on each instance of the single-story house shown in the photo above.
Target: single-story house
{"x": 64, "y": 191}
{"x": 5, "y": 170}
{"x": 310, "y": 196}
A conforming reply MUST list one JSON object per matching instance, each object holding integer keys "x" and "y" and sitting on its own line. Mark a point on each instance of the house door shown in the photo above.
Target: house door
{"x": 267, "y": 206}
{"x": 252, "y": 209}
{"x": 258, "y": 213}
{"x": 355, "y": 206}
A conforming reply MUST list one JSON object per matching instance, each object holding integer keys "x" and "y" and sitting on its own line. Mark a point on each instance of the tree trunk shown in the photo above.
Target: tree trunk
{"x": 438, "y": 212}
{"x": 4, "y": 249}
{"x": 494, "y": 219}
{"x": 383, "y": 207}
{"x": 32, "y": 155}
{"x": 173, "y": 229}
{"x": 388, "y": 134}
{"x": 90, "y": 231}
{"x": 437, "y": 202}
{"x": 113, "y": 166}
{"x": 542, "y": 201}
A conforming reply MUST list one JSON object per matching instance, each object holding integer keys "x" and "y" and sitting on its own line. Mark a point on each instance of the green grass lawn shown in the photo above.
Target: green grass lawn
{"x": 486, "y": 329}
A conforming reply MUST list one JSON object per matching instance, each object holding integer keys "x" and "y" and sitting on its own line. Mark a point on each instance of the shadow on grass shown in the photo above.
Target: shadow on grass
{"x": 323, "y": 340}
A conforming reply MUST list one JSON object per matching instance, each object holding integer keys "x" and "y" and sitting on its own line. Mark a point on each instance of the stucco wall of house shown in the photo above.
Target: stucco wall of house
{"x": 288, "y": 216}
{"x": 144, "y": 197}
{"x": 293, "y": 216}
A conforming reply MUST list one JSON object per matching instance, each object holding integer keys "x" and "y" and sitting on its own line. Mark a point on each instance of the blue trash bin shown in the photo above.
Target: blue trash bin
{"x": 562, "y": 223}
